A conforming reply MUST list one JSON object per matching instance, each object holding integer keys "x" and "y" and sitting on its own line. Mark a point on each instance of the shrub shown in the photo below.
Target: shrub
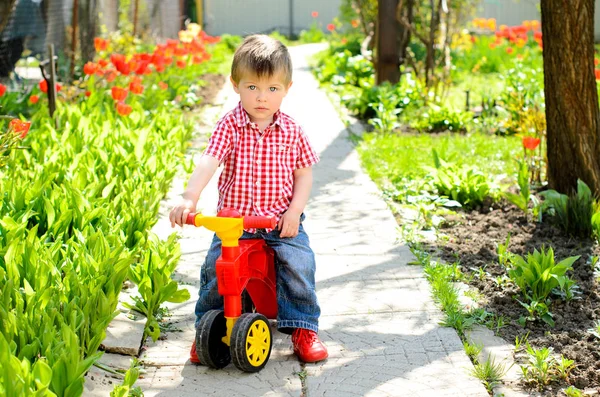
{"x": 573, "y": 213}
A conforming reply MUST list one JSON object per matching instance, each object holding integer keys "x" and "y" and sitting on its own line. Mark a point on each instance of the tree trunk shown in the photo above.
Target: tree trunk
{"x": 572, "y": 114}
{"x": 88, "y": 12}
{"x": 406, "y": 12}
{"x": 388, "y": 50}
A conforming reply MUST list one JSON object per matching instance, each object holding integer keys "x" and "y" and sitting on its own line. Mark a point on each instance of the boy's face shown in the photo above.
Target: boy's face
{"x": 261, "y": 97}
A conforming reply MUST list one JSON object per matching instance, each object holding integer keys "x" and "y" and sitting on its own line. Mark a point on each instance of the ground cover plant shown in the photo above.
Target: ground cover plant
{"x": 464, "y": 161}
{"x": 80, "y": 193}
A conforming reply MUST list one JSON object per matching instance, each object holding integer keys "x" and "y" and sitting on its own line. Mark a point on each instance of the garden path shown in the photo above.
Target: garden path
{"x": 378, "y": 319}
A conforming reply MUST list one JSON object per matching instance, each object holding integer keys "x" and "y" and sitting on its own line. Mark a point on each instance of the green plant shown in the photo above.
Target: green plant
{"x": 126, "y": 388}
{"x": 466, "y": 185}
{"x": 153, "y": 278}
{"x": 386, "y": 112}
{"x": 537, "y": 276}
{"x": 535, "y": 310}
{"x": 538, "y": 371}
{"x": 489, "y": 373}
{"x": 438, "y": 118}
{"x": 503, "y": 254}
{"x": 572, "y": 213}
{"x": 564, "y": 367}
{"x": 313, "y": 35}
{"x": 572, "y": 391}
{"x": 520, "y": 340}
{"x": 542, "y": 367}
{"x": 596, "y": 226}
{"x": 522, "y": 199}
{"x": 596, "y": 329}
{"x": 472, "y": 350}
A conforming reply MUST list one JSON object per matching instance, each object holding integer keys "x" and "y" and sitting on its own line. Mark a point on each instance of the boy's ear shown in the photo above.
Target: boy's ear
{"x": 235, "y": 86}
{"x": 289, "y": 86}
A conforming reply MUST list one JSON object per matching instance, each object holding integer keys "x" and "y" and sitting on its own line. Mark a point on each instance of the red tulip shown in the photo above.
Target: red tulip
{"x": 181, "y": 64}
{"x": 136, "y": 87}
{"x": 530, "y": 142}
{"x": 162, "y": 85}
{"x": 103, "y": 63}
{"x": 354, "y": 23}
{"x": 87, "y": 94}
{"x": 331, "y": 27}
{"x": 597, "y": 73}
{"x": 44, "y": 86}
{"x": 100, "y": 44}
{"x": 2, "y": 89}
{"x": 314, "y": 14}
{"x": 118, "y": 93}
{"x": 123, "y": 109}
{"x": 90, "y": 68}
{"x": 20, "y": 127}
{"x": 34, "y": 99}
{"x": 509, "y": 50}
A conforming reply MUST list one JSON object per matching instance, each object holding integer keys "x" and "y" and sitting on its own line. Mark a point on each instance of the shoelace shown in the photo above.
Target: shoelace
{"x": 304, "y": 336}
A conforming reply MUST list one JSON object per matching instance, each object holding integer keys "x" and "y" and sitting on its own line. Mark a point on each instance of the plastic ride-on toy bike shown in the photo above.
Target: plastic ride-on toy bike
{"x": 246, "y": 280}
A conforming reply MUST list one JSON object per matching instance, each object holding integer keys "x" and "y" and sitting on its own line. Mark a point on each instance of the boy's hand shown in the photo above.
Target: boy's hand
{"x": 180, "y": 212}
{"x": 289, "y": 223}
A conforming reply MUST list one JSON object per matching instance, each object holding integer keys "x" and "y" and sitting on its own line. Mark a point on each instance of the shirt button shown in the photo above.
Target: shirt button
{"x": 257, "y": 183}
{"x": 258, "y": 162}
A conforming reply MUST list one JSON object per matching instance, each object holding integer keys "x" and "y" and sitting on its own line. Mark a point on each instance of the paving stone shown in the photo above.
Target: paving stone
{"x": 124, "y": 335}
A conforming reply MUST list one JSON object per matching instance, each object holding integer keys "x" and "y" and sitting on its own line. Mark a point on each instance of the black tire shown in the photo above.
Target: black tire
{"x": 211, "y": 350}
{"x": 251, "y": 342}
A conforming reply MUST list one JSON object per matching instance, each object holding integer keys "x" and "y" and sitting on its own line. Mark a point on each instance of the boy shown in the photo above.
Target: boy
{"x": 267, "y": 171}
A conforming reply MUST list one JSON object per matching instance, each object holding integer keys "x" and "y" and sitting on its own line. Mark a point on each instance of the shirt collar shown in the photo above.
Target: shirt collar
{"x": 242, "y": 118}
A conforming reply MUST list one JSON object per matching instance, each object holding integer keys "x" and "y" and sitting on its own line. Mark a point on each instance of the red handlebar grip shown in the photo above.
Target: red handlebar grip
{"x": 190, "y": 219}
{"x": 259, "y": 222}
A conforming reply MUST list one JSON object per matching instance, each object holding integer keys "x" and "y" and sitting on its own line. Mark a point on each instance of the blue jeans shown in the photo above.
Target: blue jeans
{"x": 295, "y": 267}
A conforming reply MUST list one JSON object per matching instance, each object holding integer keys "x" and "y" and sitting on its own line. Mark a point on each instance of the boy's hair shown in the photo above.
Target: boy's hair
{"x": 263, "y": 56}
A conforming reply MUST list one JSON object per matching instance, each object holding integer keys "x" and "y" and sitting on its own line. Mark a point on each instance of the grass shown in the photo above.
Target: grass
{"x": 399, "y": 158}
{"x": 489, "y": 373}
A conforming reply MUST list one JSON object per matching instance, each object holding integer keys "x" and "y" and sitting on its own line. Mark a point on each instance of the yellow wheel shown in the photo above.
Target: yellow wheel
{"x": 251, "y": 342}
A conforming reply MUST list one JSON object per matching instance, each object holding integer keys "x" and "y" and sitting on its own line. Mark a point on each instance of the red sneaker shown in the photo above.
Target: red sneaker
{"x": 307, "y": 346}
{"x": 193, "y": 356}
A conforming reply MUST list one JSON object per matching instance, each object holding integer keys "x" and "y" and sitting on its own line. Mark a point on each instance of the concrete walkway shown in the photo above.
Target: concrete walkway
{"x": 378, "y": 319}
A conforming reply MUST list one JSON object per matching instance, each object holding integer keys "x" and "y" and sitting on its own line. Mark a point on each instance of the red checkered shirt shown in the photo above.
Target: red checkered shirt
{"x": 257, "y": 177}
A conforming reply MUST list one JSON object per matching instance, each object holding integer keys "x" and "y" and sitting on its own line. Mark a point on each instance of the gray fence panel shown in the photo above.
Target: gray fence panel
{"x": 243, "y": 17}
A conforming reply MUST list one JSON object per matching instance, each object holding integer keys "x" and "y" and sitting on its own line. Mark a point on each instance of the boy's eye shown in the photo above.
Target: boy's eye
{"x": 251, "y": 87}
{"x": 273, "y": 89}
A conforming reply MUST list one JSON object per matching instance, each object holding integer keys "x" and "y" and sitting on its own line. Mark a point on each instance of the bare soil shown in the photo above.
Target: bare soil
{"x": 473, "y": 239}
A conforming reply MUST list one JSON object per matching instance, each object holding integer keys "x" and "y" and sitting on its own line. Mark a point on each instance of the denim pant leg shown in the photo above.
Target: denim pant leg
{"x": 208, "y": 295}
{"x": 296, "y": 297}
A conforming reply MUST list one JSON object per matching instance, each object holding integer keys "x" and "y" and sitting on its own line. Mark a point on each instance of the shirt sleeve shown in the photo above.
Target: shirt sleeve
{"x": 306, "y": 153}
{"x": 220, "y": 142}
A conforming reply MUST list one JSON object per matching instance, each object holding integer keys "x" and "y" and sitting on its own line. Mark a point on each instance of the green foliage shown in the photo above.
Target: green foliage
{"x": 314, "y": 34}
{"x": 126, "y": 388}
{"x": 523, "y": 101}
{"x": 438, "y": 119}
{"x": 596, "y": 225}
{"x": 344, "y": 68}
{"x": 537, "y": 276}
{"x": 542, "y": 367}
{"x": 466, "y": 185}
{"x": 489, "y": 373}
{"x": 19, "y": 378}
{"x": 75, "y": 213}
{"x": 152, "y": 274}
{"x": 573, "y": 213}
{"x": 572, "y": 391}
